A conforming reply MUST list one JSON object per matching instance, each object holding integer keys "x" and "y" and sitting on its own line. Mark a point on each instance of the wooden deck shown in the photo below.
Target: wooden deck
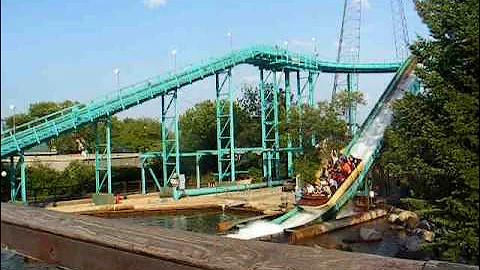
{"x": 84, "y": 242}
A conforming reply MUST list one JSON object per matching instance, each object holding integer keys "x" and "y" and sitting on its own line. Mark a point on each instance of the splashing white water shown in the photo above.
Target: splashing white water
{"x": 257, "y": 229}
{"x": 371, "y": 137}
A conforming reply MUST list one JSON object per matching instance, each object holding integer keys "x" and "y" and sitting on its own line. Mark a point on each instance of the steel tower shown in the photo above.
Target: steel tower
{"x": 400, "y": 30}
{"x": 349, "y": 52}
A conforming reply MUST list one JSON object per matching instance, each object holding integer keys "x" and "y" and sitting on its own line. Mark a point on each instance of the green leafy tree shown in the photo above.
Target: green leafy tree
{"x": 330, "y": 131}
{"x": 343, "y": 100}
{"x": 432, "y": 146}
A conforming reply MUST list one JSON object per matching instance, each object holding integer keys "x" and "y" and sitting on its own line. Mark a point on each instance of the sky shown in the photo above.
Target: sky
{"x": 56, "y": 50}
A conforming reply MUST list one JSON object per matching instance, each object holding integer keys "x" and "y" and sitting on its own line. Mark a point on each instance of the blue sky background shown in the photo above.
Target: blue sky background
{"x": 56, "y": 50}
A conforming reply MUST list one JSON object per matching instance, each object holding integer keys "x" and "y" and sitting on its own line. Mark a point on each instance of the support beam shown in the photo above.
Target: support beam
{"x": 312, "y": 80}
{"x": 13, "y": 180}
{"x": 276, "y": 116}
{"x": 270, "y": 123}
{"x": 103, "y": 157}
{"x": 144, "y": 180}
{"x": 225, "y": 125}
{"x": 266, "y": 174}
{"x": 170, "y": 137}
{"x": 288, "y": 104}
{"x": 22, "y": 185}
{"x": 197, "y": 169}
{"x": 351, "y": 111}
{"x": 299, "y": 104}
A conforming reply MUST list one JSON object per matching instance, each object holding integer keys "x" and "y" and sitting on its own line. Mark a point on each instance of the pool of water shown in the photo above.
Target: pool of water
{"x": 193, "y": 221}
{"x": 391, "y": 245}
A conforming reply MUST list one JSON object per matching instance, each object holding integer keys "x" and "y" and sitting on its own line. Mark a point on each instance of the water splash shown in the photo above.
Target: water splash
{"x": 257, "y": 229}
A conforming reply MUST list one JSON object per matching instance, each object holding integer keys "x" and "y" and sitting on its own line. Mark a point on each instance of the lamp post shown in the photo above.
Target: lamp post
{"x": 116, "y": 71}
{"x": 314, "y": 47}
{"x": 229, "y": 35}
{"x": 12, "y": 107}
{"x": 174, "y": 54}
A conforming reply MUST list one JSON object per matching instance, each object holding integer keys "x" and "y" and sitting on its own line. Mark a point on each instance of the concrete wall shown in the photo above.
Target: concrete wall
{"x": 60, "y": 162}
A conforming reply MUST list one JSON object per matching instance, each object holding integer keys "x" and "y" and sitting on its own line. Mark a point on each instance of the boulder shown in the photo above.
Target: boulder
{"x": 428, "y": 236}
{"x": 409, "y": 218}
{"x": 392, "y": 218}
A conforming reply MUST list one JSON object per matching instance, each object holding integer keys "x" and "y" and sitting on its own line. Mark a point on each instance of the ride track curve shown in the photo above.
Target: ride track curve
{"x": 71, "y": 119}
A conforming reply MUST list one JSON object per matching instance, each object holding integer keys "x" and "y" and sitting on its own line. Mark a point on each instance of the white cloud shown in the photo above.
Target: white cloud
{"x": 154, "y": 4}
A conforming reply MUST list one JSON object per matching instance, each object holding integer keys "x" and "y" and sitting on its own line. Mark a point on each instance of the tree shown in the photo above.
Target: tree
{"x": 345, "y": 99}
{"x": 250, "y": 100}
{"x": 432, "y": 145}
{"x": 330, "y": 131}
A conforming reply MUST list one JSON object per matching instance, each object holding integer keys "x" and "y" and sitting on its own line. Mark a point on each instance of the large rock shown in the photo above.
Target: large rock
{"x": 428, "y": 236}
{"x": 392, "y": 218}
{"x": 409, "y": 218}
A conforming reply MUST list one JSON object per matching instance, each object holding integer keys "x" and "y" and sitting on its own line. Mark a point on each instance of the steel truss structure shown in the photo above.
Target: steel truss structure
{"x": 349, "y": 51}
{"x": 103, "y": 157}
{"x": 225, "y": 127}
{"x": 270, "y": 135}
{"x": 273, "y": 60}
{"x": 17, "y": 186}
{"x": 170, "y": 137}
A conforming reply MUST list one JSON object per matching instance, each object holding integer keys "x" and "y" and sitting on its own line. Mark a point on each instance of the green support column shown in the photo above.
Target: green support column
{"x": 13, "y": 180}
{"x": 270, "y": 134}
{"x": 351, "y": 114}
{"x": 22, "y": 186}
{"x": 264, "y": 131}
{"x": 225, "y": 126}
{"x": 97, "y": 159}
{"x": 270, "y": 169}
{"x": 23, "y": 177}
{"x": 299, "y": 104}
{"x": 311, "y": 98}
{"x": 103, "y": 158}
{"x": 275, "y": 127}
{"x": 288, "y": 101}
{"x": 108, "y": 150}
{"x": 170, "y": 137}
{"x": 144, "y": 182}
{"x": 197, "y": 169}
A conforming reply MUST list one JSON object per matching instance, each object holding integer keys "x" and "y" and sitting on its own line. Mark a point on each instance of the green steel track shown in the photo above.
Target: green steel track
{"x": 265, "y": 57}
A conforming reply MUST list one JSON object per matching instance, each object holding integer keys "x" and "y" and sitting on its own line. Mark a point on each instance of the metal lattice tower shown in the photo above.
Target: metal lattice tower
{"x": 400, "y": 30}
{"x": 349, "y": 43}
{"x": 170, "y": 137}
{"x": 225, "y": 125}
{"x": 349, "y": 52}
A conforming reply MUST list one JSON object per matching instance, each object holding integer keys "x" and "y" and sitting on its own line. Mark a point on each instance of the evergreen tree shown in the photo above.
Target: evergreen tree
{"x": 432, "y": 145}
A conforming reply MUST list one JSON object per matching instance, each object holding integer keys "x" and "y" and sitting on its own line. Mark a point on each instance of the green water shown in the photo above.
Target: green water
{"x": 197, "y": 221}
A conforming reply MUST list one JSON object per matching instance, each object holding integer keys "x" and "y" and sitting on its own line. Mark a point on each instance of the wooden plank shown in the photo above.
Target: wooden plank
{"x": 324, "y": 227}
{"x": 87, "y": 239}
